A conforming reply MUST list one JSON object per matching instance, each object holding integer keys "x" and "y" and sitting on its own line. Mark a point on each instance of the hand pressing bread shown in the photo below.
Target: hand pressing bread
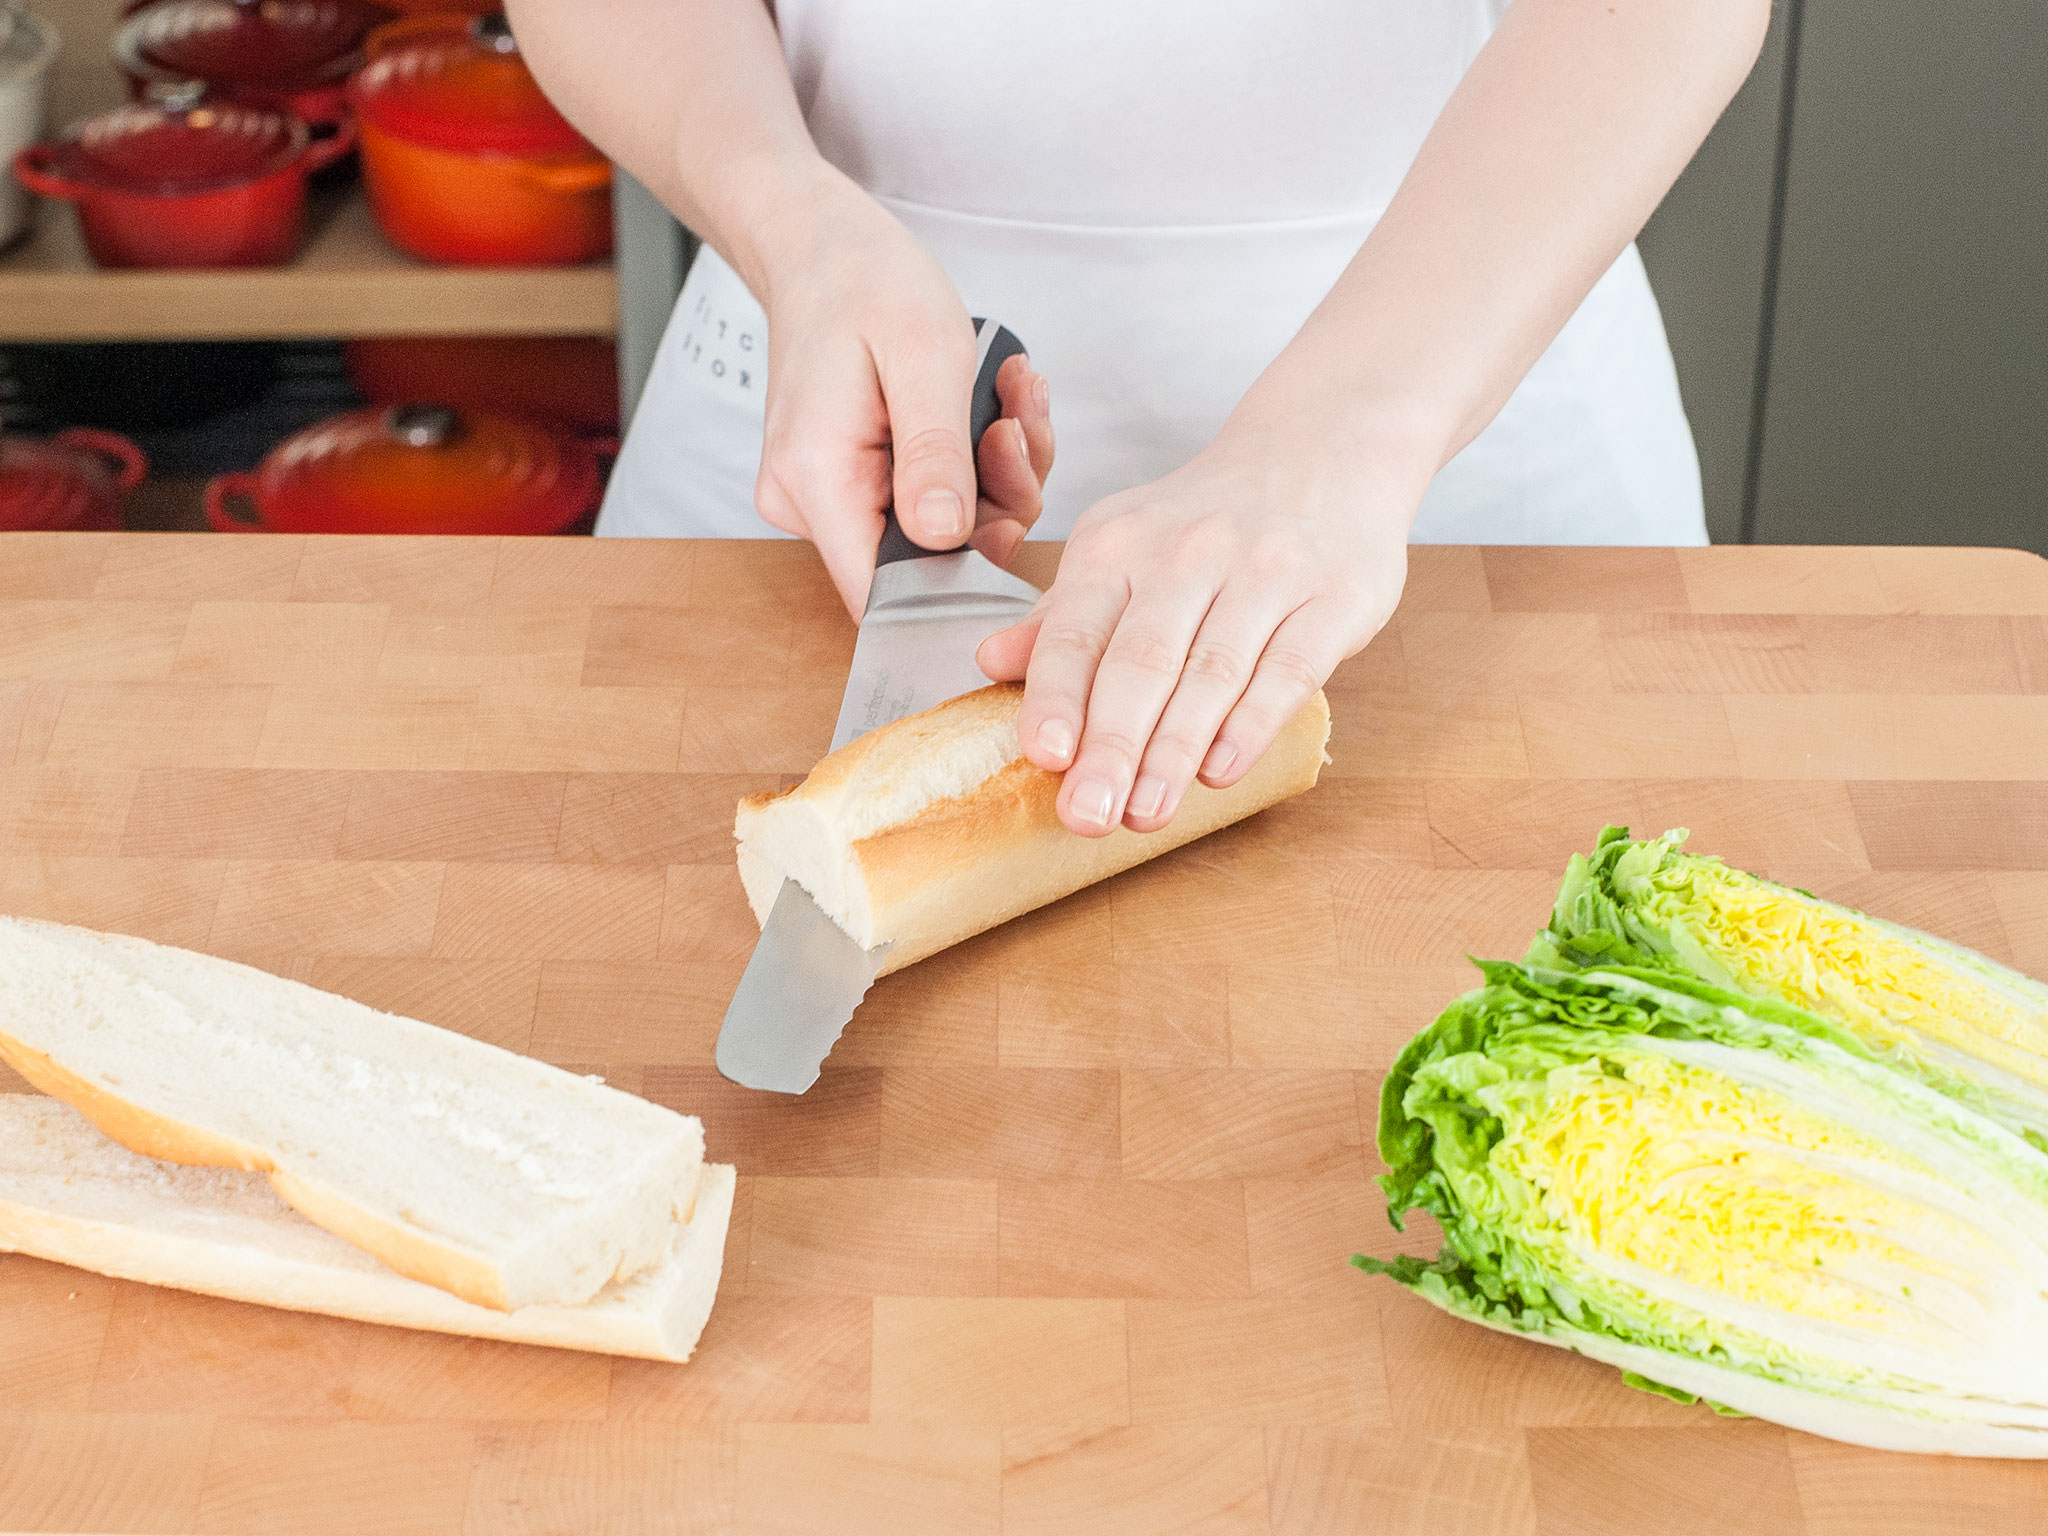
{"x": 934, "y": 828}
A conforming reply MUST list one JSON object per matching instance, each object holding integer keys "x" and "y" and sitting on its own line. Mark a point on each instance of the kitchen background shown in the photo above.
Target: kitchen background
{"x": 1854, "y": 272}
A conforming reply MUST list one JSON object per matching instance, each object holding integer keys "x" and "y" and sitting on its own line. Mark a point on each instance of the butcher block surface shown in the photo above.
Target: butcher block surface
{"x": 1059, "y": 1242}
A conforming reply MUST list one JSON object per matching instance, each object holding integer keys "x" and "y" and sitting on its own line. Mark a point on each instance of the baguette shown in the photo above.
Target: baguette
{"x": 937, "y": 827}
{"x": 495, "y": 1177}
{"x": 70, "y": 1195}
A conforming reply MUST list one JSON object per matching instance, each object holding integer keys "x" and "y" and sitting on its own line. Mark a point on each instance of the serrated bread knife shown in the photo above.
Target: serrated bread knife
{"x": 927, "y": 612}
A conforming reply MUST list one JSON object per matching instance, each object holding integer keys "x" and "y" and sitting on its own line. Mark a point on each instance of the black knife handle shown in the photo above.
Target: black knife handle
{"x": 986, "y": 410}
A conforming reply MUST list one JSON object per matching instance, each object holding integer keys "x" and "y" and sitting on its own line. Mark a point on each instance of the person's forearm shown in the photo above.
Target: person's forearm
{"x": 1554, "y": 150}
{"x": 694, "y": 98}
{"x": 871, "y": 355}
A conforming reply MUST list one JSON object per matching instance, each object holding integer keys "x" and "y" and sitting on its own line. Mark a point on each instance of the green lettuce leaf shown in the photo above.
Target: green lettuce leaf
{"x": 1952, "y": 1017}
{"x": 1729, "y": 1197}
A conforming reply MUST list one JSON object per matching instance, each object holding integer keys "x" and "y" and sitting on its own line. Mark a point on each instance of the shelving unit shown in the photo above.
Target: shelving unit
{"x": 347, "y": 282}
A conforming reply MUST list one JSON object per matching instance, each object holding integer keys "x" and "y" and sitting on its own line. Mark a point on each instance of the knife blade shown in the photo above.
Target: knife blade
{"x": 927, "y": 611}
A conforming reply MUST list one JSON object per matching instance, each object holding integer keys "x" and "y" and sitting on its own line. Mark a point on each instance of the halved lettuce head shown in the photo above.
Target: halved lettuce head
{"x": 1729, "y": 1201}
{"x": 1944, "y": 1010}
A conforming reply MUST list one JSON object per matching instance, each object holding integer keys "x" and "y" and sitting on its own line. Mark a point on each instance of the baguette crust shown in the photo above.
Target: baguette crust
{"x": 69, "y": 1196}
{"x": 138, "y": 1130}
{"x": 410, "y": 1254}
{"x": 172, "y": 1141}
{"x": 957, "y": 864}
{"x": 150, "y": 1115}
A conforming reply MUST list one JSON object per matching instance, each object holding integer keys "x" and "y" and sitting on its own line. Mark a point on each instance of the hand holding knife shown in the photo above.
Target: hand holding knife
{"x": 927, "y": 612}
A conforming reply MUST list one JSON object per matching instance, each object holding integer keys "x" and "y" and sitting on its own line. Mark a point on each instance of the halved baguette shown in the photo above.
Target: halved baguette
{"x": 936, "y": 827}
{"x": 503, "y": 1180}
{"x": 70, "y": 1195}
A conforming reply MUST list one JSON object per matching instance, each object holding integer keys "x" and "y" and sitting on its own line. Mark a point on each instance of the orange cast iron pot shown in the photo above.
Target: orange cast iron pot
{"x": 465, "y": 160}
{"x": 490, "y": 210}
{"x": 417, "y": 468}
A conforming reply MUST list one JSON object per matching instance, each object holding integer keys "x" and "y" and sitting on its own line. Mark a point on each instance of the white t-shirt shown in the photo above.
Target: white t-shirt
{"x": 1154, "y": 194}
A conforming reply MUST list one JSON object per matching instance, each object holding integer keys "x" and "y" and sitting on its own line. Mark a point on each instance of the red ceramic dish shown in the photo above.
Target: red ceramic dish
{"x": 414, "y": 469}
{"x": 76, "y": 481}
{"x": 175, "y": 185}
{"x": 465, "y": 160}
{"x": 297, "y": 55}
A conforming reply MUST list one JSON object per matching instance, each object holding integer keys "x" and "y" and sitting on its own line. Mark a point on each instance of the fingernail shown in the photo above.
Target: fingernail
{"x": 943, "y": 515}
{"x": 1041, "y": 393}
{"x": 1056, "y": 739}
{"x": 1148, "y": 797}
{"x": 1024, "y": 447}
{"x": 1218, "y": 762}
{"x": 1092, "y": 802}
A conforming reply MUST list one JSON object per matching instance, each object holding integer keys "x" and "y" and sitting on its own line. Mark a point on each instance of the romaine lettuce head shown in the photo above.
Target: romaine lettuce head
{"x": 1945, "y": 1011}
{"x": 1729, "y": 1202}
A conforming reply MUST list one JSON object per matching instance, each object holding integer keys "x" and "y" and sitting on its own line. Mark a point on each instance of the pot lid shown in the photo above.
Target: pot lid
{"x": 175, "y": 146}
{"x": 425, "y": 468}
{"x": 267, "y": 44}
{"x": 458, "y": 82}
{"x": 44, "y": 486}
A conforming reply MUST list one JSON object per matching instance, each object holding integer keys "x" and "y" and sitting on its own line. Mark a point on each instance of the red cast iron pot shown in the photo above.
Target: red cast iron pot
{"x": 464, "y": 158}
{"x": 76, "y": 481}
{"x": 415, "y": 469}
{"x": 292, "y": 54}
{"x": 185, "y": 183}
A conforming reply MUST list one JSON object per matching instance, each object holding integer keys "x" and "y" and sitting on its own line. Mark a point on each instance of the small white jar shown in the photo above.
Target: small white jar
{"x": 26, "y": 54}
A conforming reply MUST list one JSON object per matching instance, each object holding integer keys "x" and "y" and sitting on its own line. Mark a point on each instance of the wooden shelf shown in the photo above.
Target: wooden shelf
{"x": 347, "y": 282}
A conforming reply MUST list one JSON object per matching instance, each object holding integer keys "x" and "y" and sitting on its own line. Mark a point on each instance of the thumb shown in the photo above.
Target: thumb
{"x": 927, "y": 399}
{"x": 1004, "y": 655}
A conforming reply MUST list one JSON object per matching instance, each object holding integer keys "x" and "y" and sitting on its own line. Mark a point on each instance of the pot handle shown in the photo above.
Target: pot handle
{"x": 575, "y": 176}
{"x": 32, "y": 170}
{"x": 219, "y": 490}
{"x": 329, "y": 143}
{"x": 129, "y": 464}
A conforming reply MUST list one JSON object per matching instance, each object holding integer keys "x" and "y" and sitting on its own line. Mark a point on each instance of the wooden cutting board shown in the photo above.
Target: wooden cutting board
{"x": 1058, "y": 1244}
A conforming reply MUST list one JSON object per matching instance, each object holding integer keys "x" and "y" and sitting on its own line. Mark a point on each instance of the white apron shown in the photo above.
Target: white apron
{"x": 1154, "y": 194}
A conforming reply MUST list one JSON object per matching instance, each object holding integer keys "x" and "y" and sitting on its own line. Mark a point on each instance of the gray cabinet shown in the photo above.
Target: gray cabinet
{"x": 1900, "y": 314}
{"x": 1908, "y": 395}
{"x": 654, "y": 252}
{"x": 1709, "y": 253}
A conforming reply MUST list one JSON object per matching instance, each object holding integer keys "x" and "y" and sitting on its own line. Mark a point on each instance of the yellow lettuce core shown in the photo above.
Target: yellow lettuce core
{"x": 1778, "y": 943}
{"x": 1690, "y": 1174}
